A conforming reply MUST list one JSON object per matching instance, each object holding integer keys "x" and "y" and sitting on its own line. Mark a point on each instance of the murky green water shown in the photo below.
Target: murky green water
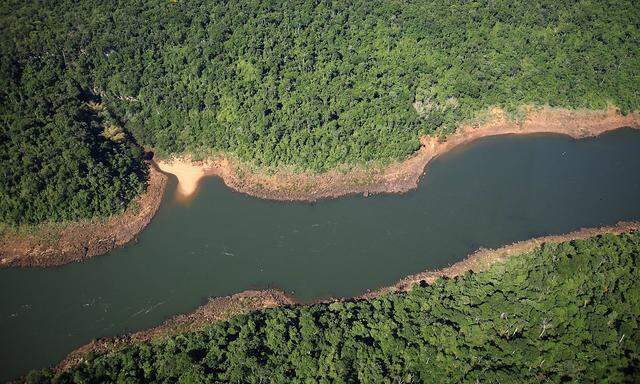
{"x": 490, "y": 193}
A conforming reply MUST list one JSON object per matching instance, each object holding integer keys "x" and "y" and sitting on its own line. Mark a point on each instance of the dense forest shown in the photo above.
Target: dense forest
{"x": 306, "y": 83}
{"x": 59, "y": 161}
{"x": 566, "y": 312}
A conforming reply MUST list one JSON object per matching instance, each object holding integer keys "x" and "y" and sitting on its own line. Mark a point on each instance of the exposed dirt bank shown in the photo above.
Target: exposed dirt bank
{"x": 53, "y": 245}
{"x": 482, "y": 259}
{"x": 216, "y": 309}
{"x": 398, "y": 177}
{"x": 222, "y": 308}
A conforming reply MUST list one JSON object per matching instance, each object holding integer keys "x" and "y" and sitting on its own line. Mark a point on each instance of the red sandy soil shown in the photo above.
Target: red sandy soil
{"x": 53, "y": 245}
{"x": 398, "y": 177}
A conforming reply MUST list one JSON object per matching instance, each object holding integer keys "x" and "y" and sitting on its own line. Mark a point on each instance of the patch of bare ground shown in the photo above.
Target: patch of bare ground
{"x": 53, "y": 245}
{"x": 399, "y": 177}
{"x": 222, "y": 308}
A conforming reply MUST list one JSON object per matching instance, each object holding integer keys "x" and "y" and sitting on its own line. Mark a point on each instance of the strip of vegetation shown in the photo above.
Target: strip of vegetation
{"x": 565, "y": 312}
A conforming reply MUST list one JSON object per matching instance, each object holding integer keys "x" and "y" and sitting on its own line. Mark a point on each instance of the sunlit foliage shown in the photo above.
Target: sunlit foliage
{"x": 307, "y": 83}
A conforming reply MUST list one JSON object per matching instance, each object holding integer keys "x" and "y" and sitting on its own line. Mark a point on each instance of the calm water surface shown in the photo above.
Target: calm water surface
{"x": 490, "y": 193}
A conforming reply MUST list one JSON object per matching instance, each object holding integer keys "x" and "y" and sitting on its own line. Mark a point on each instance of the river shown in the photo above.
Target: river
{"x": 489, "y": 193}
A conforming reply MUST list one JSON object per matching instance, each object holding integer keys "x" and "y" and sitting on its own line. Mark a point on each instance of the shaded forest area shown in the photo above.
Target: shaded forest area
{"x": 309, "y": 84}
{"x": 566, "y": 312}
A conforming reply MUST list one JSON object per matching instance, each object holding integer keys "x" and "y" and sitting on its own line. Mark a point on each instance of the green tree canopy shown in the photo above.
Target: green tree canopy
{"x": 307, "y": 83}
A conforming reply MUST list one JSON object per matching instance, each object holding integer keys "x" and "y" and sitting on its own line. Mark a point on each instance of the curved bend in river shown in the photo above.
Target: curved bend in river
{"x": 492, "y": 192}
{"x": 78, "y": 241}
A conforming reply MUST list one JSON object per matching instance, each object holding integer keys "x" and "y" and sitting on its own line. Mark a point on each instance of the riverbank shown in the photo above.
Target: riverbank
{"x": 482, "y": 259}
{"x": 54, "y": 245}
{"x": 216, "y": 309}
{"x": 398, "y": 177}
{"x": 222, "y": 308}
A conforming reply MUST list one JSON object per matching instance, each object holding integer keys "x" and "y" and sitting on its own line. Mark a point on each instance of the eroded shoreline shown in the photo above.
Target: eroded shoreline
{"x": 222, "y": 308}
{"x": 78, "y": 241}
{"x": 398, "y": 177}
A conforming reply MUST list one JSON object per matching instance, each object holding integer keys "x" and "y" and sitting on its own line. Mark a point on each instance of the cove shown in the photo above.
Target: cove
{"x": 489, "y": 193}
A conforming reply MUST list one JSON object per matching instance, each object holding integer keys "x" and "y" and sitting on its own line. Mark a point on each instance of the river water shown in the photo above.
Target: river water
{"x": 486, "y": 194}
